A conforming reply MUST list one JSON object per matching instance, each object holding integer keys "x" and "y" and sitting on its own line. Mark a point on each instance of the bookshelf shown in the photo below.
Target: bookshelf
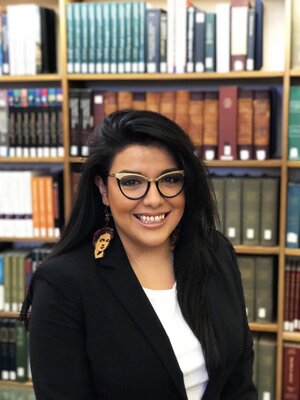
{"x": 276, "y": 70}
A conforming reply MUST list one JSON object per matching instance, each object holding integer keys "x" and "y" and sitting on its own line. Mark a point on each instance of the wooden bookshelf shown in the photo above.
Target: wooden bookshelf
{"x": 16, "y": 384}
{"x": 277, "y": 47}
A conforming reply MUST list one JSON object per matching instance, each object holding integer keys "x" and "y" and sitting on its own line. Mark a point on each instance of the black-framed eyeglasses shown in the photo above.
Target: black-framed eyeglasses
{"x": 136, "y": 186}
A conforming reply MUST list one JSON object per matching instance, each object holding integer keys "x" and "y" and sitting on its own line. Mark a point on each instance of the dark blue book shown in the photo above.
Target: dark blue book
{"x": 259, "y": 9}
{"x": 5, "y": 53}
{"x": 293, "y": 216}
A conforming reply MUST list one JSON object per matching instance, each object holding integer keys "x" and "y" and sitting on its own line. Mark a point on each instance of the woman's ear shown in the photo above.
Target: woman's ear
{"x": 102, "y": 189}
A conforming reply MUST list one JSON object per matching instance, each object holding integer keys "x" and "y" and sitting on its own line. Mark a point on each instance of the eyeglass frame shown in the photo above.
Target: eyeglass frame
{"x": 120, "y": 175}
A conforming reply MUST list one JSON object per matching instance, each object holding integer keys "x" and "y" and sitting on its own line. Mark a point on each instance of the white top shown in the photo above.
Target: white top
{"x": 186, "y": 346}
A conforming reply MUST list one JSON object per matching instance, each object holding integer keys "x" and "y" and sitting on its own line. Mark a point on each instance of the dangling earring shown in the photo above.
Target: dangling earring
{"x": 174, "y": 237}
{"x": 103, "y": 237}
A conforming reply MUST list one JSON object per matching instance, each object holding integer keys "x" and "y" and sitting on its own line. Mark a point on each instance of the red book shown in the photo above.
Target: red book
{"x": 245, "y": 124}
{"x": 228, "y": 117}
{"x": 210, "y": 126}
{"x": 262, "y": 112}
{"x": 291, "y": 368}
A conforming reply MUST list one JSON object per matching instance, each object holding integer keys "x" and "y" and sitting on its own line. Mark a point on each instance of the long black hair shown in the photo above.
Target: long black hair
{"x": 193, "y": 261}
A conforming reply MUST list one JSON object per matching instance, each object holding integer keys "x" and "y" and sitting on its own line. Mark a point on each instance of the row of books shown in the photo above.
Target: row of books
{"x": 16, "y": 393}
{"x": 264, "y": 366}
{"x": 259, "y": 283}
{"x": 293, "y": 215}
{"x": 294, "y": 124}
{"x": 248, "y": 209}
{"x": 27, "y": 49}
{"x": 16, "y": 269}
{"x": 229, "y": 123}
{"x": 31, "y": 203}
{"x": 14, "y": 355}
{"x": 292, "y": 295}
{"x": 291, "y": 368}
{"x": 117, "y": 37}
{"x": 31, "y": 122}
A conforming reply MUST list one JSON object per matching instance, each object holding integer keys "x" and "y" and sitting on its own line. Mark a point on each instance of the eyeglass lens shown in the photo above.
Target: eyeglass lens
{"x": 135, "y": 186}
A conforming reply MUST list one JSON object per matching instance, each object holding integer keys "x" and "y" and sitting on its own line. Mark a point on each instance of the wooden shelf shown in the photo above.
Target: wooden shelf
{"x": 246, "y": 164}
{"x": 292, "y": 252}
{"x": 9, "y": 314}
{"x": 29, "y": 239}
{"x": 21, "y": 160}
{"x": 77, "y": 159}
{"x": 30, "y": 78}
{"x": 291, "y": 336}
{"x": 295, "y": 73}
{"x": 293, "y": 164}
{"x": 185, "y": 76}
{"x": 260, "y": 250}
{"x": 27, "y": 384}
{"x": 260, "y": 327}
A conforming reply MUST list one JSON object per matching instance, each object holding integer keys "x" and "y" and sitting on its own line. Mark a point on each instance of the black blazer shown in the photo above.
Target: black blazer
{"x": 95, "y": 336}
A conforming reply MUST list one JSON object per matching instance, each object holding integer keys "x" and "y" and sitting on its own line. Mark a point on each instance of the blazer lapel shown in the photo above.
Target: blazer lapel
{"x": 116, "y": 270}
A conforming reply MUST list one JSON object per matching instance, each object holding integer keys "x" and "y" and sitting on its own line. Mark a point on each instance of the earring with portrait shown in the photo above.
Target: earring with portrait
{"x": 103, "y": 237}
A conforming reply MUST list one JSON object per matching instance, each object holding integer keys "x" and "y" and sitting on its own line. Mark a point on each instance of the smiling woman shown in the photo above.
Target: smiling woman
{"x": 141, "y": 298}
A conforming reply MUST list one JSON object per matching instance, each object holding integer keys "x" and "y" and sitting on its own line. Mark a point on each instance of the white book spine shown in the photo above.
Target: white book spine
{"x": 180, "y": 36}
{"x": 171, "y": 35}
{"x": 223, "y": 37}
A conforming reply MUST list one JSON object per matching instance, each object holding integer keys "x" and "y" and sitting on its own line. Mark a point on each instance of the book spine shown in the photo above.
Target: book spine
{"x": 293, "y": 216}
{"x": 74, "y": 122}
{"x": 45, "y": 123}
{"x": 239, "y": 33}
{"x": 4, "y": 133}
{"x": 210, "y": 42}
{"x": 196, "y": 106}
{"x": 53, "y": 122}
{"x": 85, "y": 112}
{"x": 227, "y": 146}
{"x": 125, "y": 100}
{"x": 223, "y": 37}
{"x": 266, "y": 367}
{"x": 1, "y": 281}
{"x": 171, "y": 7}
{"x": 210, "y": 127}
{"x": 99, "y": 37}
{"x": 58, "y": 202}
{"x": 153, "y": 40}
{"x": 106, "y": 37}
{"x": 142, "y": 38}
{"x": 114, "y": 13}
{"x": 190, "y": 50}
{"x": 98, "y": 107}
{"x": 1, "y": 43}
{"x": 251, "y": 40}
{"x": 294, "y": 124}
{"x": 291, "y": 365}
{"x": 287, "y": 293}
{"x": 91, "y": 37}
{"x": 247, "y": 269}
{"x": 35, "y": 207}
{"x": 32, "y": 123}
{"x": 245, "y": 124}
{"x": 21, "y": 353}
{"x": 110, "y": 102}
{"x": 5, "y": 48}
{"x": 200, "y": 41}
{"x": 121, "y": 38}
{"x": 264, "y": 289}
{"x": 49, "y": 205}
{"x": 39, "y": 123}
{"x": 180, "y": 36}
{"x": 251, "y": 206}
{"x": 269, "y": 211}
{"x": 259, "y": 27}
{"x": 182, "y": 104}
{"x": 59, "y": 123}
{"x": 77, "y": 28}
{"x": 135, "y": 26}
{"x": 233, "y": 210}
{"x": 153, "y": 101}
{"x": 219, "y": 191}
{"x": 167, "y": 104}
{"x": 84, "y": 23}
{"x": 261, "y": 124}
{"x": 42, "y": 205}
{"x": 139, "y": 101}
{"x": 128, "y": 37}
{"x": 163, "y": 41}
{"x": 70, "y": 38}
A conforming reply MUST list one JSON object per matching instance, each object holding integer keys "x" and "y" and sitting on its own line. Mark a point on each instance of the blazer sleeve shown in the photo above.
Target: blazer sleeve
{"x": 239, "y": 385}
{"x": 59, "y": 363}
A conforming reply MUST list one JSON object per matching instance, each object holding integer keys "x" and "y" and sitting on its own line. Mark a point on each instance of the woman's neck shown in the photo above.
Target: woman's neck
{"x": 153, "y": 267}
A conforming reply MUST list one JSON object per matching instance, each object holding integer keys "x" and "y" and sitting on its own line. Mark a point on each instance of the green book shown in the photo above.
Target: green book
{"x": 247, "y": 269}
{"x": 7, "y": 281}
{"x": 210, "y": 42}
{"x": 219, "y": 189}
{"x": 99, "y": 37}
{"x": 269, "y": 211}
{"x": 266, "y": 367}
{"x": 294, "y": 124}
{"x": 255, "y": 337}
{"x": 264, "y": 289}
{"x": 135, "y": 26}
{"x": 70, "y": 38}
{"x": 233, "y": 210}
{"x": 251, "y": 211}
{"x": 128, "y": 37}
{"x": 142, "y": 38}
{"x": 114, "y": 27}
{"x": 77, "y": 37}
{"x": 21, "y": 352}
{"x": 14, "y": 281}
{"x": 91, "y": 38}
{"x": 84, "y": 37}
{"x": 106, "y": 37}
{"x": 121, "y": 38}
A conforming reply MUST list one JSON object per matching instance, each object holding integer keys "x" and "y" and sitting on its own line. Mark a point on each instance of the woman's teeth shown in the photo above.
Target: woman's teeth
{"x": 150, "y": 219}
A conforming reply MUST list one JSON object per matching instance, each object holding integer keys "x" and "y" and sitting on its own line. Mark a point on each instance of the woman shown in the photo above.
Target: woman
{"x": 157, "y": 312}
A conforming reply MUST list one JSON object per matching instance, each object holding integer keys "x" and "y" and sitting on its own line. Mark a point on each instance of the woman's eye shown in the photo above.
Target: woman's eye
{"x": 171, "y": 179}
{"x": 131, "y": 182}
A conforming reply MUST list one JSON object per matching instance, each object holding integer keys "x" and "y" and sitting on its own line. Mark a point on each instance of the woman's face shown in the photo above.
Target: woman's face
{"x": 149, "y": 221}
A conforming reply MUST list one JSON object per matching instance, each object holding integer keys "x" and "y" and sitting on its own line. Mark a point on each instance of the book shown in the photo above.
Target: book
{"x": 74, "y": 98}
{"x": 84, "y": 58}
{"x": 98, "y": 107}
{"x": 251, "y": 206}
{"x": 223, "y": 20}
{"x": 266, "y": 366}
{"x": 259, "y": 34}
{"x": 228, "y": 119}
{"x": 121, "y": 32}
{"x": 294, "y": 124}
{"x": 200, "y": 30}
{"x": 190, "y": 46}
{"x": 219, "y": 191}
{"x": 269, "y": 211}
{"x": 261, "y": 124}
{"x": 110, "y": 102}
{"x": 114, "y": 27}
{"x": 167, "y": 104}
{"x": 210, "y": 126}
{"x": 139, "y": 101}
{"x": 171, "y": 49}
{"x": 245, "y": 124}
{"x": 125, "y": 100}
{"x": 233, "y": 210}
{"x": 210, "y": 42}
{"x": 85, "y": 121}
{"x": 195, "y": 131}
{"x": 4, "y": 123}
{"x": 293, "y": 215}
{"x": 182, "y": 105}
{"x": 239, "y": 34}
{"x": 99, "y": 37}
{"x": 180, "y": 36}
{"x": 247, "y": 268}
{"x": 264, "y": 289}
{"x": 70, "y": 37}
{"x": 250, "y": 59}
{"x": 287, "y": 324}
{"x": 291, "y": 366}
{"x": 153, "y": 40}
{"x": 153, "y": 101}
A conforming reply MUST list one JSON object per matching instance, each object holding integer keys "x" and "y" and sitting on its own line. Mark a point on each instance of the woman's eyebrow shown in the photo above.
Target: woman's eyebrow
{"x": 141, "y": 173}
